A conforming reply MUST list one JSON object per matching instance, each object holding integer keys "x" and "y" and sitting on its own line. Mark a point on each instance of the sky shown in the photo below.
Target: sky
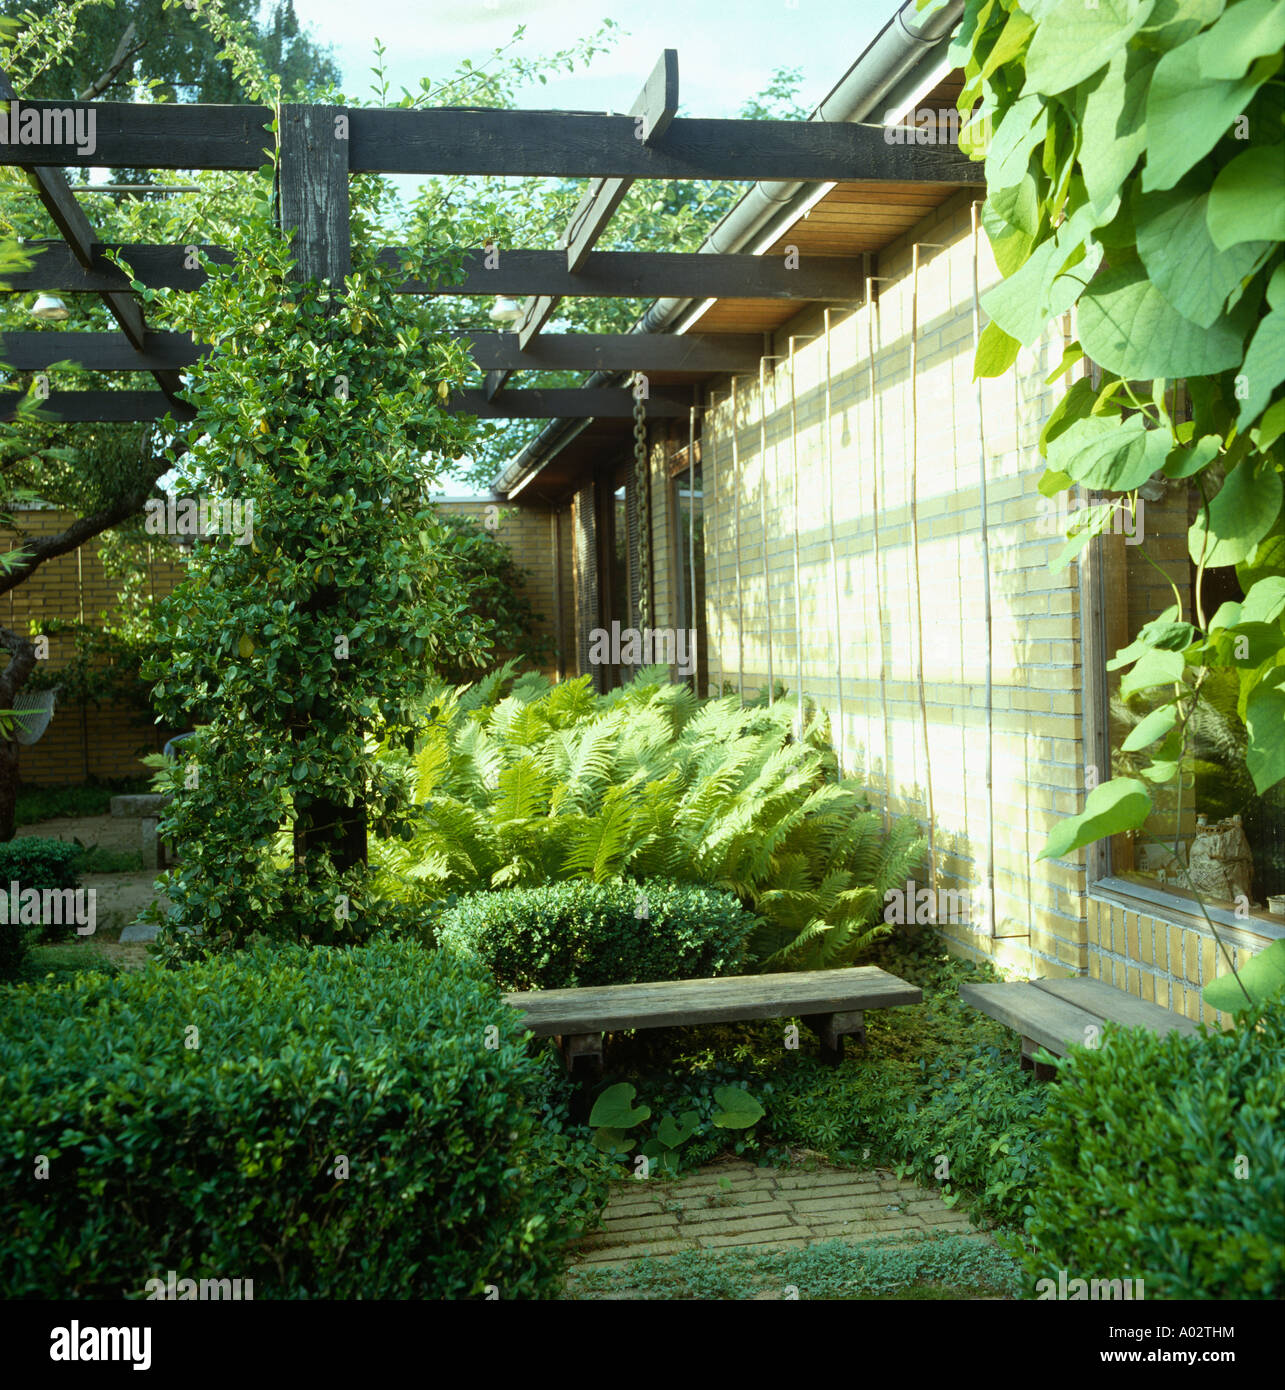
{"x": 727, "y": 49}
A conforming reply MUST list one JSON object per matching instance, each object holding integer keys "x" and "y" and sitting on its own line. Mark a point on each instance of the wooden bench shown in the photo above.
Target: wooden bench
{"x": 831, "y": 1002}
{"x": 1056, "y": 1014}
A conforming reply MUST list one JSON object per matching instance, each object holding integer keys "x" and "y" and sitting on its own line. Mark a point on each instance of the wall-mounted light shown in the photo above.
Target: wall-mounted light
{"x": 48, "y": 308}
{"x": 506, "y": 312}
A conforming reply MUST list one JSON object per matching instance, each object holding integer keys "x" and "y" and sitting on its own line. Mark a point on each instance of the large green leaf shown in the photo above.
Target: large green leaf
{"x": 1263, "y": 976}
{"x": 737, "y": 1109}
{"x": 1240, "y": 515}
{"x": 1265, "y": 601}
{"x": 615, "y": 1108}
{"x": 1113, "y": 126}
{"x": 996, "y": 352}
{"x": 1045, "y": 286}
{"x": 1109, "y": 455}
{"x": 1245, "y": 201}
{"x": 1129, "y": 327}
{"x": 1154, "y": 727}
{"x": 1075, "y": 40}
{"x": 1009, "y": 245}
{"x": 1264, "y": 367}
{"x": 1180, "y": 257}
{"x": 1175, "y": 21}
{"x": 1018, "y": 206}
{"x": 1121, "y": 804}
{"x": 1153, "y": 668}
{"x": 1265, "y": 721}
{"x": 1189, "y": 112}
{"x": 1248, "y": 30}
{"x": 1021, "y": 129}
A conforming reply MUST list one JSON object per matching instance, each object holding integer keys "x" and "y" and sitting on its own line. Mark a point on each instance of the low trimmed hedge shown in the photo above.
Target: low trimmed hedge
{"x": 1164, "y": 1160}
{"x": 200, "y": 1120}
{"x": 578, "y": 933}
{"x": 33, "y": 862}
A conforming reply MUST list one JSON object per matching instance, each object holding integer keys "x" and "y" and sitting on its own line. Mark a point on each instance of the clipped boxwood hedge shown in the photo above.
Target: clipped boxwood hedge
{"x": 198, "y": 1121}
{"x": 33, "y": 862}
{"x": 1165, "y": 1162}
{"x": 565, "y": 935}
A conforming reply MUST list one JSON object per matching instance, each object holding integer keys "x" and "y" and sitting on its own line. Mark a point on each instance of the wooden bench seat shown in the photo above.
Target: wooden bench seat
{"x": 1057, "y": 1014}
{"x": 831, "y": 1002}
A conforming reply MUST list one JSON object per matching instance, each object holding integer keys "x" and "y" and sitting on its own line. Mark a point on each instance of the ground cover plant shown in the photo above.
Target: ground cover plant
{"x": 522, "y": 782}
{"x": 935, "y": 1080}
{"x": 950, "y": 1266}
{"x": 284, "y": 1117}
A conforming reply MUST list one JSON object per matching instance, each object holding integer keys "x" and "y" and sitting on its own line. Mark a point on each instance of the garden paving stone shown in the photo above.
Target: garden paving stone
{"x": 731, "y": 1205}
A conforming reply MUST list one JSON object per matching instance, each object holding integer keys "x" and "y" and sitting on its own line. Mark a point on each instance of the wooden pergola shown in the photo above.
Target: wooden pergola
{"x": 320, "y": 146}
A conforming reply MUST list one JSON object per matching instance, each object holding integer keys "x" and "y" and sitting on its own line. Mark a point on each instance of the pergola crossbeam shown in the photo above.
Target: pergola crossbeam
{"x": 571, "y": 403}
{"x": 631, "y": 352}
{"x": 556, "y": 144}
{"x": 602, "y": 274}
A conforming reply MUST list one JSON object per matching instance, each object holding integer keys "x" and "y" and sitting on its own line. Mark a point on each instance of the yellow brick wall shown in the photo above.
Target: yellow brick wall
{"x": 909, "y": 452}
{"x": 105, "y": 741}
{"x": 529, "y": 533}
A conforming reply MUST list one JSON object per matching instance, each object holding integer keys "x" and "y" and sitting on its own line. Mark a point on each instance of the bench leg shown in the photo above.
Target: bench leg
{"x": 582, "y": 1054}
{"x": 831, "y": 1029}
{"x": 1042, "y": 1070}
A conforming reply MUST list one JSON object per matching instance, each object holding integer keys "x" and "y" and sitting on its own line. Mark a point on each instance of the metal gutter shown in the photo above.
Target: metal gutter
{"x": 893, "y": 53}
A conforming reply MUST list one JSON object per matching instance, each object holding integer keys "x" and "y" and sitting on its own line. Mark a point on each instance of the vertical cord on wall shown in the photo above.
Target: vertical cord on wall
{"x": 914, "y": 546}
{"x": 876, "y": 457}
{"x": 691, "y": 535}
{"x": 798, "y": 581}
{"x": 717, "y": 589}
{"x": 834, "y": 562}
{"x": 767, "y": 578}
{"x": 986, "y": 589}
{"x": 736, "y": 517}
{"x": 84, "y": 708}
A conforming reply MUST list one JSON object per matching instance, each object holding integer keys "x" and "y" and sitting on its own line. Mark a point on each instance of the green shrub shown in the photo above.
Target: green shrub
{"x": 553, "y": 782}
{"x": 565, "y": 935}
{"x": 200, "y": 1120}
{"x": 33, "y": 862}
{"x": 1166, "y": 1163}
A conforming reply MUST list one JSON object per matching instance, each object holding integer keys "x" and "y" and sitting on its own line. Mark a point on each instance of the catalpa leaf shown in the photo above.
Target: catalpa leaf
{"x": 1074, "y": 40}
{"x": 1181, "y": 258}
{"x": 1262, "y": 977}
{"x": 1264, "y": 367}
{"x": 1245, "y": 203}
{"x": 1241, "y": 514}
{"x": 1154, "y": 727}
{"x": 1121, "y": 804}
{"x": 1129, "y": 328}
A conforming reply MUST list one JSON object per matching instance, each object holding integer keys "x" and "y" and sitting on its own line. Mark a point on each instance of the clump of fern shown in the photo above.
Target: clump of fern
{"x": 524, "y": 782}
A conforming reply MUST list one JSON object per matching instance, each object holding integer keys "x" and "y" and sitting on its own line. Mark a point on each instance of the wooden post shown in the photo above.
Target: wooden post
{"x": 312, "y": 189}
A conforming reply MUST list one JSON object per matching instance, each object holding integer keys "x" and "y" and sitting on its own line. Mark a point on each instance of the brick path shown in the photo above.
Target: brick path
{"x": 777, "y": 1208}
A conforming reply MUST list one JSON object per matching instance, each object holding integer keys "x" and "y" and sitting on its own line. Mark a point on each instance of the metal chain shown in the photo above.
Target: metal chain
{"x": 643, "y": 509}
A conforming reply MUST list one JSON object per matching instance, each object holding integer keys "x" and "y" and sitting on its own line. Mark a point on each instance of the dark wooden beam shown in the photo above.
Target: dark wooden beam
{"x": 99, "y": 352}
{"x": 60, "y": 202}
{"x": 559, "y": 144}
{"x": 641, "y": 352}
{"x": 104, "y": 407}
{"x": 312, "y": 178}
{"x": 569, "y": 403}
{"x": 603, "y": 275}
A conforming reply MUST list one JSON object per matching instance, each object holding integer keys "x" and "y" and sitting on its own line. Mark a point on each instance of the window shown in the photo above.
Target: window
{"x": 1209, "y": 829}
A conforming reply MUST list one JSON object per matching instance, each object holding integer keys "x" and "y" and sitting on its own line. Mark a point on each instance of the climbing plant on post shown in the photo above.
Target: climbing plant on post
{"x": 1135, "y": 173}
{"x": 305, "y": 640}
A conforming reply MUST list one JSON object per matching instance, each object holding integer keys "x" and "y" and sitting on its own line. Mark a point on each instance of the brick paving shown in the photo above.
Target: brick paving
{"x": 780, "y": 1209}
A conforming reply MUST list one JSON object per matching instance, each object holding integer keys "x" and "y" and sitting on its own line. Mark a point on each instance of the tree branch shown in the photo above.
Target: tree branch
{"x": 22, "y": 563}
{"x": 125, "y": 50}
